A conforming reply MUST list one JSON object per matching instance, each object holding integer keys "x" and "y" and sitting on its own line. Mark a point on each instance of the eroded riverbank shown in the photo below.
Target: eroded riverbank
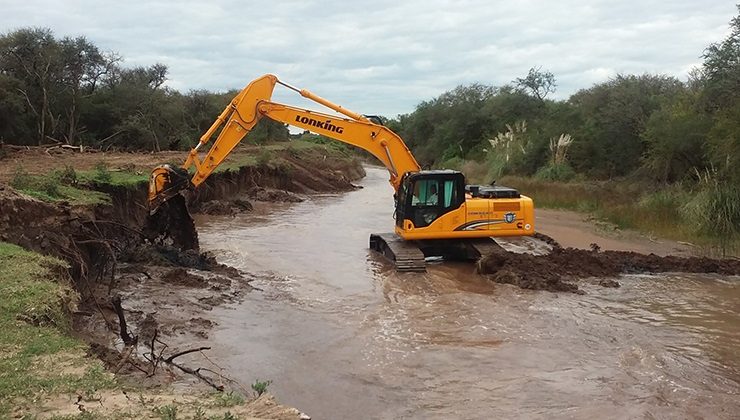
{"x": 164, "y": 295}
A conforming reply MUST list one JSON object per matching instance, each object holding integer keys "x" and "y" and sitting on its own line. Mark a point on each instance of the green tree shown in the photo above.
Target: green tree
{"x": 675, "y": 136}
{"x": 32, "y": 57}
{"x": 721, "y": 69}
{"x": 614, "y": 113}
{"x": 537, "y": 82}
{"x": 82, "y": 67}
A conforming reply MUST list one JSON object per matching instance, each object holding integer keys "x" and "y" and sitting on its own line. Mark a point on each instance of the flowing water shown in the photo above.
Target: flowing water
{"x": 343, "y": 336}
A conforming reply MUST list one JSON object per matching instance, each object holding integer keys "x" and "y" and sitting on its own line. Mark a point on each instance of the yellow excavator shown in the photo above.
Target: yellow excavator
{"x": 436, "y": 213}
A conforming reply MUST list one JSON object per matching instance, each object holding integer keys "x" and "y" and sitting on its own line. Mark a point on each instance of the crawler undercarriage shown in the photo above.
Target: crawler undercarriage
{"x": 412, "y": 256}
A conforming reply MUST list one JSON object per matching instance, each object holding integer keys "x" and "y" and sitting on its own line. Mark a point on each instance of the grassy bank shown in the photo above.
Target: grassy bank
{"x": 662, "y": 212}
{"x": 77, "y": 182}
{"x": 38, "y": 358}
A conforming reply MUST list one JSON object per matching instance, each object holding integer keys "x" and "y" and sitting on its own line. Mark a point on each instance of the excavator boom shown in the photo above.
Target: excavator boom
{"x": 435, "y": 211}
{"x": 253, "y": 103}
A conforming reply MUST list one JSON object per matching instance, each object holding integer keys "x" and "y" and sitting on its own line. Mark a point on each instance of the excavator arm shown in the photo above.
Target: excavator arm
{"x": 253, "y": 103}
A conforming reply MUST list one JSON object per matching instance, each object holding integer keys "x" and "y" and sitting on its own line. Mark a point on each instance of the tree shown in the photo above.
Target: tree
{"x": 82, "y": 66}
{"x": 32, "y": 56}
{"x": 614, "y": 113}
{"x": 721, "y": 69}
{"x": 537, "y": 82}
{"x": 675, "y": 136}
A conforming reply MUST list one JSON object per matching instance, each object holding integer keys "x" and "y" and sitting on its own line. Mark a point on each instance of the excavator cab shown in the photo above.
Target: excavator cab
{"x": 424, "y": 196}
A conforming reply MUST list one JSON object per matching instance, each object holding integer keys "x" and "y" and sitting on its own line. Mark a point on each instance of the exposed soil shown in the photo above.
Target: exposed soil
{"x": 166, "y": 286}
{"x": 558, "y": 270}
{"x": 224, "y": 207}
{"x": 273, "y": 195}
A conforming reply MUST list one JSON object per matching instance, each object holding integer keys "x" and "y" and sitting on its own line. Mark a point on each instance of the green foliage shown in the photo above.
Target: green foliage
{"x": 55, "y": 187}
{"x": 21, "y": 179}
{"x": 608, "y": 144}
{"x": 539, "y": 83}
{"x": 265, "y": 157}
{"x": 675, "y": 136}
{"x": 715, "y": 212}
{"x": 721, "y": 69}
{"x": 50, "y": 186}
{"x": 166, "y": 412}
{"x": 229, "y": 399}
{"x": 102, "y": 173}
{"x": 724, "y": 143}
{"x": 68, "y": 175}
{"x": 260, "y": 387}
{"x": 556, "y": 172}
{"x": 268, "y": 130}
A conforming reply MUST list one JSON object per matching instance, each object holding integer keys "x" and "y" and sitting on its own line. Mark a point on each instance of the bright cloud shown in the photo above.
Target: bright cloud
{"x": 384, "y": 57}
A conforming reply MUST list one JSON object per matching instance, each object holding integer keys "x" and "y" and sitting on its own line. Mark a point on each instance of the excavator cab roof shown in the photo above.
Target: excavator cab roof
{"x": 434, "y": 173}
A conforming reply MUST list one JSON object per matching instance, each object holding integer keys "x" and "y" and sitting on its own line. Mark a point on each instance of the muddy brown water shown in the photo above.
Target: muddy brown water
{"x": 341, "y": 335}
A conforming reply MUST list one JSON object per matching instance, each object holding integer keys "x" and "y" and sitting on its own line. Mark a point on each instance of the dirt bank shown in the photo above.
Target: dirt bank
{"x": 165, "y": 293}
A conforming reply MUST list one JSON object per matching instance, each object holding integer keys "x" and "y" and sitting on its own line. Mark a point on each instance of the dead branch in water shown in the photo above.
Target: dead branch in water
{"x": 184, "y": 352}
{"x": 125, "y": 336}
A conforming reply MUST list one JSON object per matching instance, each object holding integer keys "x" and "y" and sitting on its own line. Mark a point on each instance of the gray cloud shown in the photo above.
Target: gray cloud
{"x": 384, "y": 57}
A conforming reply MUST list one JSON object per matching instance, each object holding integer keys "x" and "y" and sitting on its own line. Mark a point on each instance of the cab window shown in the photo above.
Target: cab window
{"x": 426, "y": 193}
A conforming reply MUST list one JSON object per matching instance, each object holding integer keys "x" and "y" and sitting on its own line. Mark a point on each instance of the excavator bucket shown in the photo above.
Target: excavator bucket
{"x": 166, "y": 182}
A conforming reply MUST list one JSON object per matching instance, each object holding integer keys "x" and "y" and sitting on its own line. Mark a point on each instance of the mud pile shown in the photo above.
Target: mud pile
{"x": 224, "y": 207}
{"x": 274, "y": 195}
{"x": 558, "y": 270}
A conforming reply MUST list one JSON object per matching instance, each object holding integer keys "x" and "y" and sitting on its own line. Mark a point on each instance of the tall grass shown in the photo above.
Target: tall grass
{"x": 707, "y": 216}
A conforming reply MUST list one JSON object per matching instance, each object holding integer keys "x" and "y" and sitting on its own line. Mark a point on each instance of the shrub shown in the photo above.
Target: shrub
{"x": 102, "y": 173}
{"x": 260, "y": 387}
{"x": 68, "y": 175}
{"x": 715, "y": 212}
{"x": 50, "y": 185}
{"x": 556, "y": 172}
{"x": 21, "y": 179}
{"x": 264, "y": 157}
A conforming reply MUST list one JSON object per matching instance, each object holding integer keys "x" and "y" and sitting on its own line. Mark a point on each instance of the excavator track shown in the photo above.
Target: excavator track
{"x": 409, "y": 256}
{"x": 406, "y": 256}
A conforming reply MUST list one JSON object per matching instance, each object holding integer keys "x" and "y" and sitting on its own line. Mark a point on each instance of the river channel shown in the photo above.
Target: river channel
{"x": 342, "y": 336}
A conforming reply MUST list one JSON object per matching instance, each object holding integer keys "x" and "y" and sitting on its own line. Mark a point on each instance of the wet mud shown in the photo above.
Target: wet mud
{"x": 224, "y": 207}
{"x": 274, "y": 195}
{"x": 559, "y": 270}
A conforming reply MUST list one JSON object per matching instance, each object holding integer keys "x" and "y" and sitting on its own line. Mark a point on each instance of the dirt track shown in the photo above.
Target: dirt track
{"x": 577, "y": 230}
{"x": 36, "y": 161}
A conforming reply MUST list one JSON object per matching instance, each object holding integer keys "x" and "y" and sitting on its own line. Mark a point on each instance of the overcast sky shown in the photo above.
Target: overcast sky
{"x": 384, "y": 57}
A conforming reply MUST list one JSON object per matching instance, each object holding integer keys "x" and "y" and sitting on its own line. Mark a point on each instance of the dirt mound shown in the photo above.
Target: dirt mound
{"x": 273, "y": 195}
{"x": 181, "y": 277}
{"x": 225, "y": 207}
{"x": 557, "y": 270}
{"x": 168, "y": 256}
